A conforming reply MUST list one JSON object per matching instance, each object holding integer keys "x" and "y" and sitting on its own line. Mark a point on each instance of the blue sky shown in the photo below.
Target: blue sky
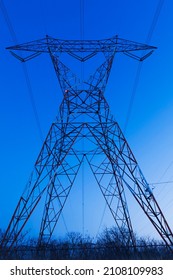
{"x": 150, "y": 126}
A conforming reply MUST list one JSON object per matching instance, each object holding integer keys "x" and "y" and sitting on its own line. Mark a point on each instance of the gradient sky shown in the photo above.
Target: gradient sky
{"x": 150, "y": 124}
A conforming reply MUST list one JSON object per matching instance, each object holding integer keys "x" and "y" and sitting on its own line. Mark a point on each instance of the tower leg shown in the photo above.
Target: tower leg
{"x": 128, "y": 172}
{"x": 59, "y": 138}
{"x": 57, "y": 194}
{"x": 112, "y": 189}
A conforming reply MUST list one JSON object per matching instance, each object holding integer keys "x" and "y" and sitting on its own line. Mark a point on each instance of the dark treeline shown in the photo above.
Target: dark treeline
{"x": 108, "y": 246}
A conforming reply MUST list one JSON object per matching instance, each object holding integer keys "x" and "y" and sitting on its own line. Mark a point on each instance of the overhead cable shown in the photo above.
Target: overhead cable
{"x": 140, "y": 63}
{"x": 28, "y": 83}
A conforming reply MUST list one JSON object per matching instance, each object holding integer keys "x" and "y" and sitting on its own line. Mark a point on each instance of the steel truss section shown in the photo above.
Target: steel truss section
{"x": 84, "y": 115}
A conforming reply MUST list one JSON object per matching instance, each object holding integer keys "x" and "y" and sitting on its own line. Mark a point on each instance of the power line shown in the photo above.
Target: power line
{"x": 25, "y": 70}
{"x": 138, "y": 72}
{"x": 155, "y": 20}
{"x": 164, "y": 173}
{"x": 8, "y": 22}
{"x": 83, "y": 144}
{"x": 28, "y": 83}
{"x": 163, "y": 189}
{"x": 133, "y": 94}
{"x": 82, "y": 19}
{"x": 27, "y": 79}
{"x": 101, "y": 221}
{"x": 161, "y": 183}
{"x": 140, "y": 64}
{"x": 43, "y": 17}
{"x": 164, "y": 183}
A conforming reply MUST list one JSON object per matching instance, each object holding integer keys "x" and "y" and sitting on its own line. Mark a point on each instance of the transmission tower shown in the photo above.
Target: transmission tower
{"x": 84, "y": 115}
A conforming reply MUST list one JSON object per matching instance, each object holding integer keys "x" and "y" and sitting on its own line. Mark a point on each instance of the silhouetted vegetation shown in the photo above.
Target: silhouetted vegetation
{"x": 108, "y": 246}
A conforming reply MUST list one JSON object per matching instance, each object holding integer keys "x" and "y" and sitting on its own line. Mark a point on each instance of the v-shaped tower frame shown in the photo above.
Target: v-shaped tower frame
{"x": 84, "y": 115}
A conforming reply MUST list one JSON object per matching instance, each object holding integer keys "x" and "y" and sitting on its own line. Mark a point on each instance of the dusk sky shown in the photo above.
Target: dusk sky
{"x": 27, "y": 110}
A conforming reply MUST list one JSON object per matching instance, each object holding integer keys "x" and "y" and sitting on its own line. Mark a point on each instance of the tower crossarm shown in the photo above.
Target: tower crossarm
{"x": 114, "y": 44}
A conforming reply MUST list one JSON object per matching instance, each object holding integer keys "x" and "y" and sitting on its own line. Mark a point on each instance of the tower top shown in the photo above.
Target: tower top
{"x": 110, "y": 45}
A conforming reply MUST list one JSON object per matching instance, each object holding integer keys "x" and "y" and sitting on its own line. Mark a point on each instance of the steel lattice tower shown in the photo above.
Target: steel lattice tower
{"x": 84, "y": 115}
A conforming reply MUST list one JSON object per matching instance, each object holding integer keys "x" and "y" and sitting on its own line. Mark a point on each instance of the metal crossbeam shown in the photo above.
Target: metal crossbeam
{"x": 53, "y": 45}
